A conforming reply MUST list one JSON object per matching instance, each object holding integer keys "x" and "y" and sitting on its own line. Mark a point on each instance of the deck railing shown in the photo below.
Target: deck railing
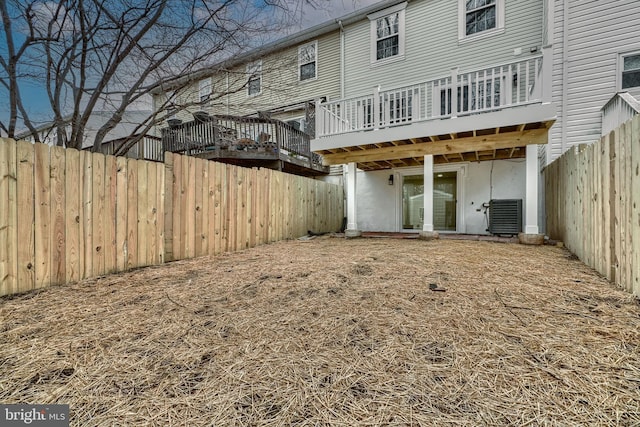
{"x": 147, "y": 148}
{"x": 238, "y": 133}
{"x": 457, "y": 94}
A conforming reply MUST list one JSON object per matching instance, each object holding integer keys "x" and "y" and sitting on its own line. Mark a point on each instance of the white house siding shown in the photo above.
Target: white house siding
{"x": 378, "y": 202}
{"x": 432, "y": 47}
{"x": 597, "y": 33}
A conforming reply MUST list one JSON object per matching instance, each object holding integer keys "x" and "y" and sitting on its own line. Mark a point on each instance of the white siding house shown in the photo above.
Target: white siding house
{"x": 442, "y": 101}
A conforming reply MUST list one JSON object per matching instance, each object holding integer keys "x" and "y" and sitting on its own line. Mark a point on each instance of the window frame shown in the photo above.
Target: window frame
{"x": 254, "y": 69}
{"x": 398, "y": 9}
{"x": 621, "y": 70}
{"x": 462, "y": 22}
{"x": 314, "y": 62}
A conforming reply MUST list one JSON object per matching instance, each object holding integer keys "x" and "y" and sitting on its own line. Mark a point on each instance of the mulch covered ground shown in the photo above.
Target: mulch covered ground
{"x": 333, "y": 332}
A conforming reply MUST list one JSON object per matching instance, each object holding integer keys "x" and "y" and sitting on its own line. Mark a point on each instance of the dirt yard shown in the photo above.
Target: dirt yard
{"x": 333, "y": 332}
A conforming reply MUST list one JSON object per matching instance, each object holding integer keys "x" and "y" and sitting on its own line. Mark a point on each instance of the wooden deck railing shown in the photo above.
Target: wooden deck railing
{"x": 233, "y": 133}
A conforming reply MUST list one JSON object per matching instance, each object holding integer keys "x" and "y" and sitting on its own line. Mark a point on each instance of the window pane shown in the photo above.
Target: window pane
{"x": 308, "y": 71}
{"x": 481, "y": 20}
{"x": 387, "y": 26}
{"x": 387, "y": 47}
{"x": 630, "y": 79}
{"x": 474, "y": 4}
{"x": 308, "y": 53}
{"x": 254, "y": 86}
{"x": 632, "y": 62}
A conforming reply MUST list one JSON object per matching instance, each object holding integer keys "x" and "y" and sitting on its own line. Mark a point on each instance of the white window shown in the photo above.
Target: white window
{"x": 387, "y": 34}
{"x": 630, "y": 65}
{"x": 254, "y": 84}
{"x": 204, "y": 90}
{"x": 480, "y": 17}
{"x": 307, "y": 62}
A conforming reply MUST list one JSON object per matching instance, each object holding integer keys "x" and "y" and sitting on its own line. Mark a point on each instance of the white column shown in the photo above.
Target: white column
{"x": 531, "y": 203}
{"x": 352, "y": 225}
{"x": 427, "y": 225}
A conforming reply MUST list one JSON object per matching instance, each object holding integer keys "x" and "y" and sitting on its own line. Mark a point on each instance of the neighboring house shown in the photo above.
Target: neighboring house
{"x": 457, "y": 105}
{"x": 256, "y": 109}
{"x": 596, "y": 69}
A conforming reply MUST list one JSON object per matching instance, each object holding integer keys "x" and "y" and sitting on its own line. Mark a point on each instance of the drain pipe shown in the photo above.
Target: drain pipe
{"x": 342, "y": 69}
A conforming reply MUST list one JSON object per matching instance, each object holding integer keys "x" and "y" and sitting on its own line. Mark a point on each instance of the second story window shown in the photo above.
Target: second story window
{"x": 204, "y": 90}
{"x": 307, "y": 63}
{"x": 631, "y": 71}
{"x": 387, "y": 34}
{"x": 254, "y": 85}
{"x": 480, "y": 16}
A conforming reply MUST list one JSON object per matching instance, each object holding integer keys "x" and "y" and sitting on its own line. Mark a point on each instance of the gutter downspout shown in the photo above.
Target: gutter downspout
{"x": 342, "y": 68}
{"x": 228, "y": 96}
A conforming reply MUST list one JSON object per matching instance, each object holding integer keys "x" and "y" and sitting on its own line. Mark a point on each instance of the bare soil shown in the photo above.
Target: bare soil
{"x": 333, "y": 332}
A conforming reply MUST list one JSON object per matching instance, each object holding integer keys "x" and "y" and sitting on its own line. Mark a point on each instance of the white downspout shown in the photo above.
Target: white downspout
{"x": 342, "y": 56}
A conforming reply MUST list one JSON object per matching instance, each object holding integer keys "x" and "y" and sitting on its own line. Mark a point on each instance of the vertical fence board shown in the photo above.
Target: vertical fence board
{"x": 132, "y": 213}
{"x": 152, "y": 196}
{"x": 121, "y": 214}
{"x": 160, "y": 216}
{"x": 111, "y": 173}
{"x": 176, "y": 239}
{"x": 628, "y": 198}
{"x": 210, "y": 191}
{"x": 191, "y": 207}
{"x": 73, "y": 206}
{"x": 8, "y": 220}
{"x": 168, "y": 206}
{"x": 26, "y": 279}
{"x": 204, "y": 209}
{"x": 58, "y": 210}
{"x": 143, "y": 214}
{"x": 98, "y": 217}
{"x": 217, "y": 206}
{"x": 87, "y": 213}
{"x": 42, "y": 216}
{"x": 198, "y": 223}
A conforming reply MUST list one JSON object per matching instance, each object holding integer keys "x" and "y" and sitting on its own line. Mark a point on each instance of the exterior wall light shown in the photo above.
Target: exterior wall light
{"x": 391, "y": 179}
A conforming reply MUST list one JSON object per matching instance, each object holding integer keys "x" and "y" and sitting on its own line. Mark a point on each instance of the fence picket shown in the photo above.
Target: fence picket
{"x": 26, "y": 207}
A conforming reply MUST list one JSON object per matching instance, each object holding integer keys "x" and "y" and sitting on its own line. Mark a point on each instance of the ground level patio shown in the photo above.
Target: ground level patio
{"x": 328, "y": 331}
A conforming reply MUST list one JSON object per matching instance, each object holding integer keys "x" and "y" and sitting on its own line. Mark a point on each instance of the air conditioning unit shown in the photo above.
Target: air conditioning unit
{"x": 505, "y": 216}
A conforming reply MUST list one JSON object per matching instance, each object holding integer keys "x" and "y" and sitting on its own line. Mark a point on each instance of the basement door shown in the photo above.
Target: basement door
{"x": 445, "y": 199}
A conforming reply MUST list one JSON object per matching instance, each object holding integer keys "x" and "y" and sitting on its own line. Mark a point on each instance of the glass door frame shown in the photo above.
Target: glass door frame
{"x": 460, "y": 168}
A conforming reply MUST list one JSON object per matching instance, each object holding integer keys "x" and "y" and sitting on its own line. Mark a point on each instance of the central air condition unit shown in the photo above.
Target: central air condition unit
{"x": 505, "y": 216}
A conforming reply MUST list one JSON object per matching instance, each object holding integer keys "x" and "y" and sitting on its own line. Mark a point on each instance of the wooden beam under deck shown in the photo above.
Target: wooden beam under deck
{"x": 499, "y": 141}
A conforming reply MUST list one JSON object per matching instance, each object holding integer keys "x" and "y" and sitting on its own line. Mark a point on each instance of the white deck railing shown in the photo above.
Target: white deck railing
{"x": 457, "y": 94}
{"x": 618, "y": 110}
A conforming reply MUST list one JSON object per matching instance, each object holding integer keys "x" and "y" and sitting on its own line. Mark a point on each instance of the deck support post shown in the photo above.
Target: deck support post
{"x": 531, "y": 230}
{"x": 352, "y": 225}
{"x": 428, "y": 232}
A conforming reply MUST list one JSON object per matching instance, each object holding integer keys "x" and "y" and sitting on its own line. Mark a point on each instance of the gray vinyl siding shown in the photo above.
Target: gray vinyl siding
{"x": 598, "y": 32}
{"x": 280, "y": 83}
{"x": 432, "y": 48}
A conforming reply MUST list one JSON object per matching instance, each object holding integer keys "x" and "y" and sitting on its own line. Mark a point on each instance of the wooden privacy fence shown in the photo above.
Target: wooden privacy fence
{"x": 66, "y": 215}
{"x": 593, "y": 204}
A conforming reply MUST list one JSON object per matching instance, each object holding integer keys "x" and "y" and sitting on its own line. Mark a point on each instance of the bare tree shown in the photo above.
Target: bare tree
{"x": 96, "y": 55}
